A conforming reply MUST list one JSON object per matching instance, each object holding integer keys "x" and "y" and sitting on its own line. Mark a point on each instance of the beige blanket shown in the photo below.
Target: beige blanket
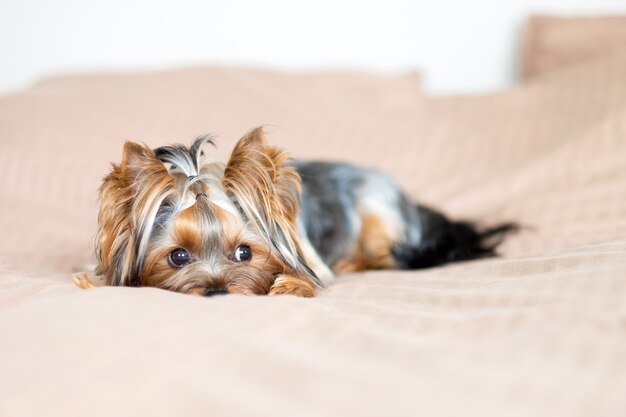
{"x": 538, "y": 332}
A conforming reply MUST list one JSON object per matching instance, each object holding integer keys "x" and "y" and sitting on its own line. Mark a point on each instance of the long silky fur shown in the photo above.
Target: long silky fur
{"x": 267, "y": 192}
{"x": 130, "y": 198}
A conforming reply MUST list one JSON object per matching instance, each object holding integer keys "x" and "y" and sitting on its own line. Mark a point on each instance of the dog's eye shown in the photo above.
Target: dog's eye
{"x": 242, "y": 253}
{"x": 179, "y": 258}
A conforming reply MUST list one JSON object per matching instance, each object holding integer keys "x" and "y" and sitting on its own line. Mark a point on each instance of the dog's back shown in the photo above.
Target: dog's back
{"x": 358, "y": 218}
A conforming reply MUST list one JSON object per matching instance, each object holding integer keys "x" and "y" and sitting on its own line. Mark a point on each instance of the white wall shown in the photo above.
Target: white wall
{"x": 459, "y": 46}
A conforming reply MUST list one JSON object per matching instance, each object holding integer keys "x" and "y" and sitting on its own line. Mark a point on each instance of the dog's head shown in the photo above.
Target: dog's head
{"x": 170, "y": 220}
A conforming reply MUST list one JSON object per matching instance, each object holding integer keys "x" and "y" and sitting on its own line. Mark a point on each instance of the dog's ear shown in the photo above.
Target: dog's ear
{"x": 267, "y": 191}
{"x": 137, "y": 159}
{"x": 257, "y": 172}
{"x": 130, "y": 197}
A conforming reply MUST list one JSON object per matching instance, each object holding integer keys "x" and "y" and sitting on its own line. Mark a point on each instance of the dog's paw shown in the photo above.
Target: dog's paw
{"x": 286, "y": 284}
{"x": 84, "y": 280}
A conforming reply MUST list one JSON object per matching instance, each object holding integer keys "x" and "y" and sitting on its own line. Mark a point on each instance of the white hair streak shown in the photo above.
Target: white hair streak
{"x": 184, "y": 160}
{"x": 146, "y": 222}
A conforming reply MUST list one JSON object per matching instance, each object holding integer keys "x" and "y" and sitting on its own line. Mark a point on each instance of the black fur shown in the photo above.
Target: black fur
{"x": 446, "y": 241}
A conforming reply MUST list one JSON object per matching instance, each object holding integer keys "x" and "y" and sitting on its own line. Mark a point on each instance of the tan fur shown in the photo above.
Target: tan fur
{"x": 290, "y": 285}
{"x": 85, "y": 280}
{"x": 372, "y": 250}
{"x": 267, "y": 189}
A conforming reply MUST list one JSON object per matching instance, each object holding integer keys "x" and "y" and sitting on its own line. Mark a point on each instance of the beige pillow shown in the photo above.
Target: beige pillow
{"x": 553, "y": 42}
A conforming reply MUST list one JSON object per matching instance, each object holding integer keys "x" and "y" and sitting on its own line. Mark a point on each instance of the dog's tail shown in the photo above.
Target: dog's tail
{"x": 446, "y": 241}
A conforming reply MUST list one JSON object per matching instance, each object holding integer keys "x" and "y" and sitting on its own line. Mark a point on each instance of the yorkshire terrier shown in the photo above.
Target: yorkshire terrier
{"x": 262, "y": 224}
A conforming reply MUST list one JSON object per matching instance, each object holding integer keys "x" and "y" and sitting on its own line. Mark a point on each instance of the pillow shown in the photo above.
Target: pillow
{"x": 553, "y": 42}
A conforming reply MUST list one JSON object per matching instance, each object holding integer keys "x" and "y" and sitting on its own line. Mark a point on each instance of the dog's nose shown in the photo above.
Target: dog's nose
{"x": 215, "y": 291}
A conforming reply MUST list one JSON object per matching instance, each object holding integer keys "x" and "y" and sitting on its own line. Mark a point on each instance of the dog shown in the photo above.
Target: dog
{"x": 263, "y": 224}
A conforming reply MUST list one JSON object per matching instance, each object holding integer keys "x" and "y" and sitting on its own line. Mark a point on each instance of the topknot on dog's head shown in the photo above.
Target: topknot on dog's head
{"x": 185, "y": 160}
